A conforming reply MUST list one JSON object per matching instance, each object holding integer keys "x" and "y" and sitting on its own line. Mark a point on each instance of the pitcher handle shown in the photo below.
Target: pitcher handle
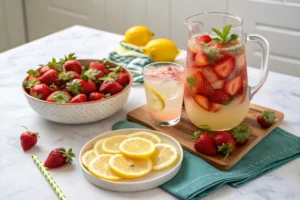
{"x": 264, "y": 61}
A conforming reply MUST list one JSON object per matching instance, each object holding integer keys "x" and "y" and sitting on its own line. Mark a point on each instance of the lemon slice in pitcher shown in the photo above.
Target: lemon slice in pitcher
{"x": 155, "y": 100}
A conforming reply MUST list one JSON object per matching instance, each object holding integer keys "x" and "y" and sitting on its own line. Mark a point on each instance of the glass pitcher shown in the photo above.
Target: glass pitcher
{"x": 216, "y": 87}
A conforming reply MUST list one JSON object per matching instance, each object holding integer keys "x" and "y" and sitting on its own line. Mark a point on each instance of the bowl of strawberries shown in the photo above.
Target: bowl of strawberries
{"x": 77, "y": 91}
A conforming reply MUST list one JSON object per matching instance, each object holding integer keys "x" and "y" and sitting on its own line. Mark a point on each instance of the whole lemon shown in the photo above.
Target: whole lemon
{"x": 161, "y": 50}
{"x": 138, "y": 35}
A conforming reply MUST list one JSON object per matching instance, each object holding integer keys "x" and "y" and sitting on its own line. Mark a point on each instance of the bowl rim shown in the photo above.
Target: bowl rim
{"x": 88, "y": 102}
{"x": 139, "y": 182}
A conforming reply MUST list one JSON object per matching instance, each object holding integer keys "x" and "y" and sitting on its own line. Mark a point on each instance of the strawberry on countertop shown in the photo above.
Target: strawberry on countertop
{"x": 225, "y": 143}
{"x": 59, "y": 157}
{"x": 204, "y": 143}
{"x": 94, "y": 96}
{"x": 40, "y": 91}
{"x": 59, "y": 96}
{"x": 110, "y": 85}
{"x": 28, "y": 139}
{"x": 79, "y": 98}
{"x": 266, "y": 119}
{"x": 78, "y": 86}
{"x": 241, "y": 134}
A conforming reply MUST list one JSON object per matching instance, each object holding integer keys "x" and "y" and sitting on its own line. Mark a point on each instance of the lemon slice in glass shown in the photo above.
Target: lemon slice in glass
{"x": 154, "y": 99}
{"x": 100, "y": 168}
{"x": 129, "y": 168}
{"x": 98, "y": 147}
{"x": 164, "y": 156}
{"x": 111, "y": 144}
{"x": 147, "y": 135}
{"x": 137, "y": 148}
{"x": 87, "y": 157}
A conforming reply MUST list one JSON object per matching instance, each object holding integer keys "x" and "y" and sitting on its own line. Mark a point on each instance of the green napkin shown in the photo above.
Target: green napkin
{"x": 197, "y": 178}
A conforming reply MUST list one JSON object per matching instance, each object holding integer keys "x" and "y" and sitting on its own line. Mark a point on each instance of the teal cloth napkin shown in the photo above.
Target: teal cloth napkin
{"x": 197, "y": 178}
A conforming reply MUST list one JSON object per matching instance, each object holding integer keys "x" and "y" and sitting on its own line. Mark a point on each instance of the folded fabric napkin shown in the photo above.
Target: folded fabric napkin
{"x": 197, "y": 178}
{"x": 133, "y": 58}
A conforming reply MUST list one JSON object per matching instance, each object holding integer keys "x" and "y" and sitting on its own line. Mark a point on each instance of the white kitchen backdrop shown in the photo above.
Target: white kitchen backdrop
{"x": 277, "y": 20}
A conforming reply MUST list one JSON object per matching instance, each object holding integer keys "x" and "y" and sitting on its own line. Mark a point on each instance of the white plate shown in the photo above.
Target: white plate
{"x": 151, "y": 180}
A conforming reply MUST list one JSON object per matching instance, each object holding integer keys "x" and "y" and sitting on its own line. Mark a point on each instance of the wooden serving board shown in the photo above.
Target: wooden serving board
{"x": 183, "y": 132}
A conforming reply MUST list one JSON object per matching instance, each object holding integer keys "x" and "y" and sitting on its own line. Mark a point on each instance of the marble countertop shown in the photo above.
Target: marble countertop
{"x": 21, "y": 179}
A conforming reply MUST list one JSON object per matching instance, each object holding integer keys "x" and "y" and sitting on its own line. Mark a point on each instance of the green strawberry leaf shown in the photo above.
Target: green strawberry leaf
{"x": 33, "y": 72}
{"x": 107, "y": 95}
{"x": 196, "y": 135}
{"x": 269, "y": 117}
{"x": 241, "y": 133}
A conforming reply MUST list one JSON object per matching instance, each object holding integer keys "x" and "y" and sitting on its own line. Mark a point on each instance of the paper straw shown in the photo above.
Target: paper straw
{"x": 49, "y": 178}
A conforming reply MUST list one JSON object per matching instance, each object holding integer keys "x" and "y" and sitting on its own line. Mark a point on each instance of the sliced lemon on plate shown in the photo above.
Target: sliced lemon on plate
{"x": 137, "y": 147}
{"x": 164, "y": 156}
{"x": 100, "y": 168}
{"x": 98, "y": 147}
{"x": 154, "y": 99}
{"x": 130, "y": 168}
{"x": 111, "y": 144}
{"x": 87, "y": 157}
{"x": 147, "y": 135}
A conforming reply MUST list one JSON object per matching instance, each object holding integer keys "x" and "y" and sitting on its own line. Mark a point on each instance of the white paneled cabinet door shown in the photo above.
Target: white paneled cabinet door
{"x": 278, "y": 21}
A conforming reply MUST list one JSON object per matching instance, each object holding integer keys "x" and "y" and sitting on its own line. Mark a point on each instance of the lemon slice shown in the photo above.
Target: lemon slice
{"x": 137, "y": 148}
{"x": 87, "y": 157}
{"x": 129, "y": 168}
{"x": 100, "y": 168}
{"x": 164, "y": 156}
{"x": 147, "y": 135}
{"x": 98, "y": 147}
{"x": 154, "y": 99}
{"x": 111, "y": 144}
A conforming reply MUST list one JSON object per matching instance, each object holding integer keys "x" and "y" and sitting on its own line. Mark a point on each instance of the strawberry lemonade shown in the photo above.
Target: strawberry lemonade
{"x": 216, "y": 86}
{"x": 164, "y": 86}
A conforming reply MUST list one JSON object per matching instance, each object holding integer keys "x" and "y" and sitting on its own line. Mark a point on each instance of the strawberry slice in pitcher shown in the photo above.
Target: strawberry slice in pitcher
{"x": 209, "y": 74}
{"x": 224, "y": 66}
{"x": 218, "y": 84}
{"x": 233, "y": 86}
{"x": 203, "y": 102}
{"x": 201, "y": 59}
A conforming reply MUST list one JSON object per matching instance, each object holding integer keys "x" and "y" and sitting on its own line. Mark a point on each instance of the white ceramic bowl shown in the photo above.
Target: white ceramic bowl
{"x": 149, "y": 181}
{"x": 80, "y": 113}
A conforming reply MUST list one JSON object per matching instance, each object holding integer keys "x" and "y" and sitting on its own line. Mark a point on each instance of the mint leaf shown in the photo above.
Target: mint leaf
{"x": 227, "y": 102}
{"x": 217, "y": 40}
{"x": 226, "y": 31}
{"x": 191, "y": 81}
{"x": 218, "y": 33}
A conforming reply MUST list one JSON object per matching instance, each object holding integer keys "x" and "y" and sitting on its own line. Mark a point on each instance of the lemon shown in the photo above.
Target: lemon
{"x": 98, "y": 147}
{"x": 100, "y": 168}
{"x": 161, "y": 50}
{"x": 154, "y": 99}
{"x": 111, "y": 144}
{"x": 138, "y": 35}
{"x": 87, "y": 157}
{"x": 137, "y": 148}
{"x": 129, "y": 168}
{"x": 147, "y": 135}
{"x": 164, "y": 156}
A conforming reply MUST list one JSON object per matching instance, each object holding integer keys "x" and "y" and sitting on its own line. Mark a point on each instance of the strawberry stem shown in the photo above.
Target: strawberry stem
{"x": 67, "y": 154}
{"x": 225, "y": 149}
{"x": 32, "y": 133}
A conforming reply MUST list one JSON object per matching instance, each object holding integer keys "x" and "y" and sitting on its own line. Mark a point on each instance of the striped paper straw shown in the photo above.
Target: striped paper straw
{"x": 49, "y": 178}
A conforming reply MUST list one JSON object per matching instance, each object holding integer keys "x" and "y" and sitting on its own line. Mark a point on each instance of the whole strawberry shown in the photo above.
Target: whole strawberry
{"x": 92, "y": 75}
{"x": 98, "y": 66}
{"x": 72, "y": 65}
{"x": 79, "y": 98}
{"x": 59, "y": 97}
{"x": 94, "y": 96}
{"x": 40, "y": 91}
{"x": 50, "y": 77}
{"x": 225, "y": 143}
{"x": 78, "y": 86}
{"x": 110, "y": 86}
{"x": 68, "y": 76}
{"x": 122, "y": 78}
{"x": 59, "y": 157}
{"x": 30, "y": 84}
{"x": 33, "y": 75}
{"x": 266, "y": 119}
{"x": 28, "y": 139}
{"x": 204, "y": 144}
{"x": 44, "y": 69}
{"x": 241, "y": 134}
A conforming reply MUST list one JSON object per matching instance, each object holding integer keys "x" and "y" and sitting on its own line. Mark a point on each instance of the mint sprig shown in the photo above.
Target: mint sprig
{"x": 223, "y": 36}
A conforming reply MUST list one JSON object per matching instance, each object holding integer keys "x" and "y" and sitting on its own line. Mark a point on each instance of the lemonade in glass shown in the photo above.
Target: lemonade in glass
{"x": 164, "y": 86}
